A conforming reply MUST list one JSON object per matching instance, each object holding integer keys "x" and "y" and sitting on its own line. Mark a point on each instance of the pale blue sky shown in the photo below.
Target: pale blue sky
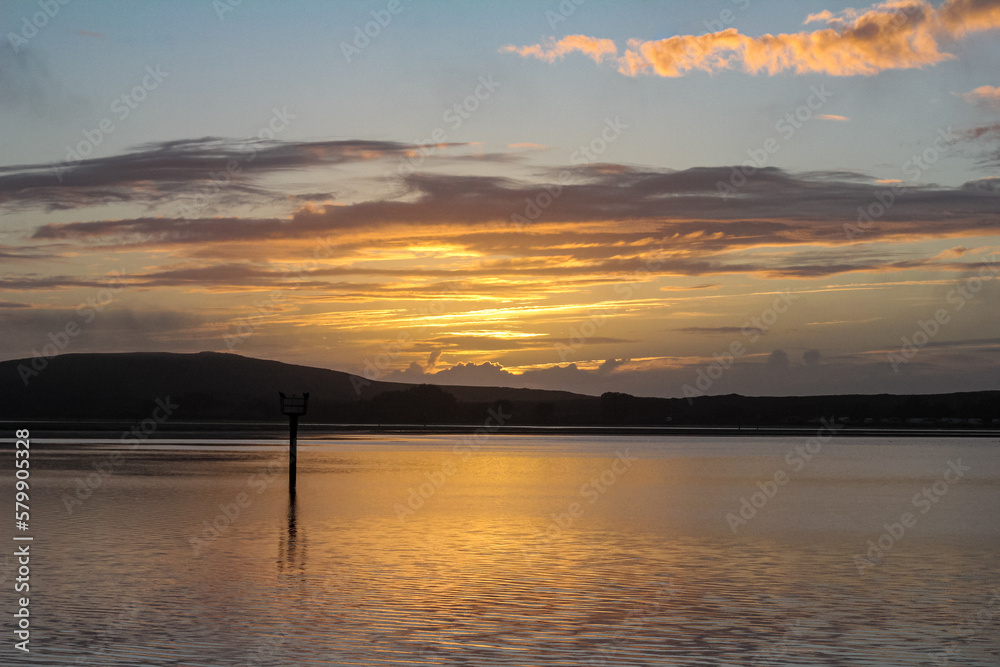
{"x": 511, "y": 295}
{"x": 226, "y": 75}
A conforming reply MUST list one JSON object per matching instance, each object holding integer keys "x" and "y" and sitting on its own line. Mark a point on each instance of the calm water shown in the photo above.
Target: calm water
{"x": 530, "y": 550}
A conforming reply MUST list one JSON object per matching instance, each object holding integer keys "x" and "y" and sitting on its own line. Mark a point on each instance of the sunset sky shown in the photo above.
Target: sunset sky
{"x": 751, "y": 196}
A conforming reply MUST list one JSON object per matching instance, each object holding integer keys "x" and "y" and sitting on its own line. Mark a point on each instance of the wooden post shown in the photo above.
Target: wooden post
{"x": 293, "y": 406}
{"x": 293, "y": 431}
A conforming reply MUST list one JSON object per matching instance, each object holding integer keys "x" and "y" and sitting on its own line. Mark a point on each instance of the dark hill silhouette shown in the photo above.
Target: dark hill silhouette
{"x": 210, "y": 386}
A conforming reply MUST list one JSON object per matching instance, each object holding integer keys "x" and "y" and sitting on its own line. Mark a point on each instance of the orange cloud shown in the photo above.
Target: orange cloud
{"x": 676, "y": 55}
{"x": 832, "y": 116}
{"x": 598, "y": 49}
{"x": 951, "y": 253}
{"x": 897, "y": 34}
{"x": 987, "y": 96}
{"x": 962, "y": 16}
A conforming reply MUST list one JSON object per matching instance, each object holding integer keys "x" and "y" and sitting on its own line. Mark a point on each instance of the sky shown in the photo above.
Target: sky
{"x": 670, "y": 199}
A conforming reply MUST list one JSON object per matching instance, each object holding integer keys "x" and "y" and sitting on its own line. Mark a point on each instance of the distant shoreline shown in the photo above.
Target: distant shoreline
{"x": 279, "y": 431}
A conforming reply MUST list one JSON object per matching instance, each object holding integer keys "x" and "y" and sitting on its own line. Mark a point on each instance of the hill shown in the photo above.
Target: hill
{"x": 215, "y": 386}
{"x": 210, "y": 386}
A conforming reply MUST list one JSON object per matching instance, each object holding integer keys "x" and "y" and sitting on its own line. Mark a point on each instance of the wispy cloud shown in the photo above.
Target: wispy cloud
{"x": 598, "y": 49}
{"x": 984, "y": 96}
{"x": 155, "y": 173}
{"x": 26, "y": 83}
{"x": 612, "y": 226}
{"x": 986, "y": 140}
{"x": 776, "y": 207}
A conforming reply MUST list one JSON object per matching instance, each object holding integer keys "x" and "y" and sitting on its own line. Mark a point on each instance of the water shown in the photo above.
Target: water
{"x": 400, "y": 551}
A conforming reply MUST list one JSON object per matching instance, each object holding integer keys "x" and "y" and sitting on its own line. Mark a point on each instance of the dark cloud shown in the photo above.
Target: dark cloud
{"x": 231, "y": 277}
{"x": 650, "y": 223}
{"x": 167, "y": 230}
{"x": 413, "y": 373}
{"x": 985, "y": 141}
{"x": 314, "y": 196}
{"x": 982, "y": 132}
{"x": 27, "y": 283}
{"x": 974, "y": 342}
{"x": 772, "y": 208}
{"x": 188, "y": 171}
{"x": 610, "y": 365}
{"x": 984, "y": 184}
{"x": 8, "y": 252}
{"x": 235, "y": 277}
{"x": 932, "y": 371}
{"x": 471, "y": 374}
